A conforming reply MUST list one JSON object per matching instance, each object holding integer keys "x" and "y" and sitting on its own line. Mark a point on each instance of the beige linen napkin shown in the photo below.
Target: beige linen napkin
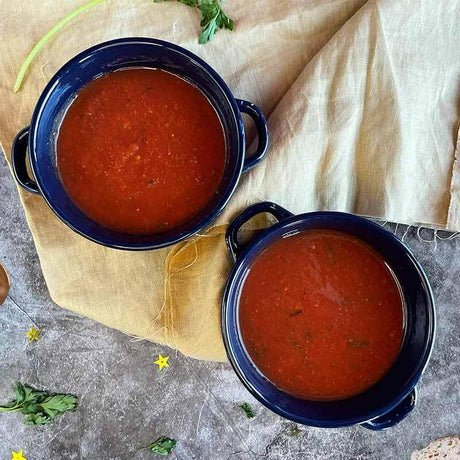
{"x": 365, "y": 119}
{"x": 370, "y": 125}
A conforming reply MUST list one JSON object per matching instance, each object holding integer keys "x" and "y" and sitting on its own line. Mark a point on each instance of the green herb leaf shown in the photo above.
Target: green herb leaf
{"x": 20, "y": 393}
{"x": 37, "y": 419}
{"x": 24, "y": 395}
{"x": 162, "y": 446}
{"x": 213, "y": 17}
{"x": 248, "y": 410}
{"x": 58, "y": 404}
{"x": 191, "y": 3}
{"x": 39, "y": 407}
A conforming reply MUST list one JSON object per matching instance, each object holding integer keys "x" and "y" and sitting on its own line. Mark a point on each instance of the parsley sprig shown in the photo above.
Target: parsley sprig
{"x": 39, "y": 407}
{"x": 248, "y": 410}
{"x": 162, "y": 446}
{"x": 213, "y": 17}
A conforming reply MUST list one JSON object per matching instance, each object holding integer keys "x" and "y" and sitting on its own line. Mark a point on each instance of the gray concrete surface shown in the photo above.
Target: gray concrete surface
{"x": 126, "y": 403}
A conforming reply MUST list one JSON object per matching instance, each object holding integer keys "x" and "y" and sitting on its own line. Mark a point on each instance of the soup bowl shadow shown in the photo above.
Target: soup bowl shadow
{"x": 391, "y": 399}
{"x": 39, "y": 139}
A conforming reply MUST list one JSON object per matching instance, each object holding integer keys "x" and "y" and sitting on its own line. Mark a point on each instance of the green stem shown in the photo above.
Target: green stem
{"x": 45, "y": 38}
{"x": 10, "y": 409}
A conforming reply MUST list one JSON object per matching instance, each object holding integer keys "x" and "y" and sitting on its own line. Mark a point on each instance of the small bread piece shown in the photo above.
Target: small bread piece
{"x": 441, "y": 449}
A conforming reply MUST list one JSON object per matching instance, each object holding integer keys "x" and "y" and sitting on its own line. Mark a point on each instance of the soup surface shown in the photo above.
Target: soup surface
{"x": 321, "y": 315}
{"x": 141, "y": 151}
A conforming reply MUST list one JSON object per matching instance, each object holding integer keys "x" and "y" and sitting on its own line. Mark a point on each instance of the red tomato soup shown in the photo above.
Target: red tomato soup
{"x": 141, "y": 151}
{"x": 321, "y": 315}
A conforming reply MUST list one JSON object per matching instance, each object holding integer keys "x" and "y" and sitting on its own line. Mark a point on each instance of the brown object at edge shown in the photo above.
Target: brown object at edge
{"x": 4, "y": 284}
{"x": 443, "y": 448}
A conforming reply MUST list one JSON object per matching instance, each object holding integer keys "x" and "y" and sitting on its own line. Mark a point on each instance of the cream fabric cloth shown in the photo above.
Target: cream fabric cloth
{"x": 364, "y": 105}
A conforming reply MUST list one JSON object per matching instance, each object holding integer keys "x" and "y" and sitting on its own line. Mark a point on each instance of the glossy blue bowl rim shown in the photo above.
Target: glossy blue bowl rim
{"x": 229, "y": 301}
{"x": 226, "y": 195}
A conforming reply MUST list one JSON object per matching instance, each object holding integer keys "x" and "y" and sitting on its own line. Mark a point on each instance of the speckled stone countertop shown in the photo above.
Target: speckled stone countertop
{"x": 126, "y": 403}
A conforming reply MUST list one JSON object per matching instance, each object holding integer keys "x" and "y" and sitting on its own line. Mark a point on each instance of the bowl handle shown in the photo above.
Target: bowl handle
{"x": 396, "y": 415}
{"x": 231, "y": 236}
{"x": 262, "y": 130}
{"x": 18, "y": 161}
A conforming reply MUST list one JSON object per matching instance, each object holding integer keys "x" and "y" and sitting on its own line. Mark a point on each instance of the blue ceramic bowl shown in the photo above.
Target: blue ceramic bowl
{"x": 394, "y": 396}
{"x": 40, "y": 136}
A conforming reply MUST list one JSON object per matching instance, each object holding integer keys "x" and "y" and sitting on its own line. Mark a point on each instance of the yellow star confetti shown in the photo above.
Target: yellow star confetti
{"x": 33, "y": 334}
{"x": 17, "y": 456}
{"x": 162, "y": 362}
